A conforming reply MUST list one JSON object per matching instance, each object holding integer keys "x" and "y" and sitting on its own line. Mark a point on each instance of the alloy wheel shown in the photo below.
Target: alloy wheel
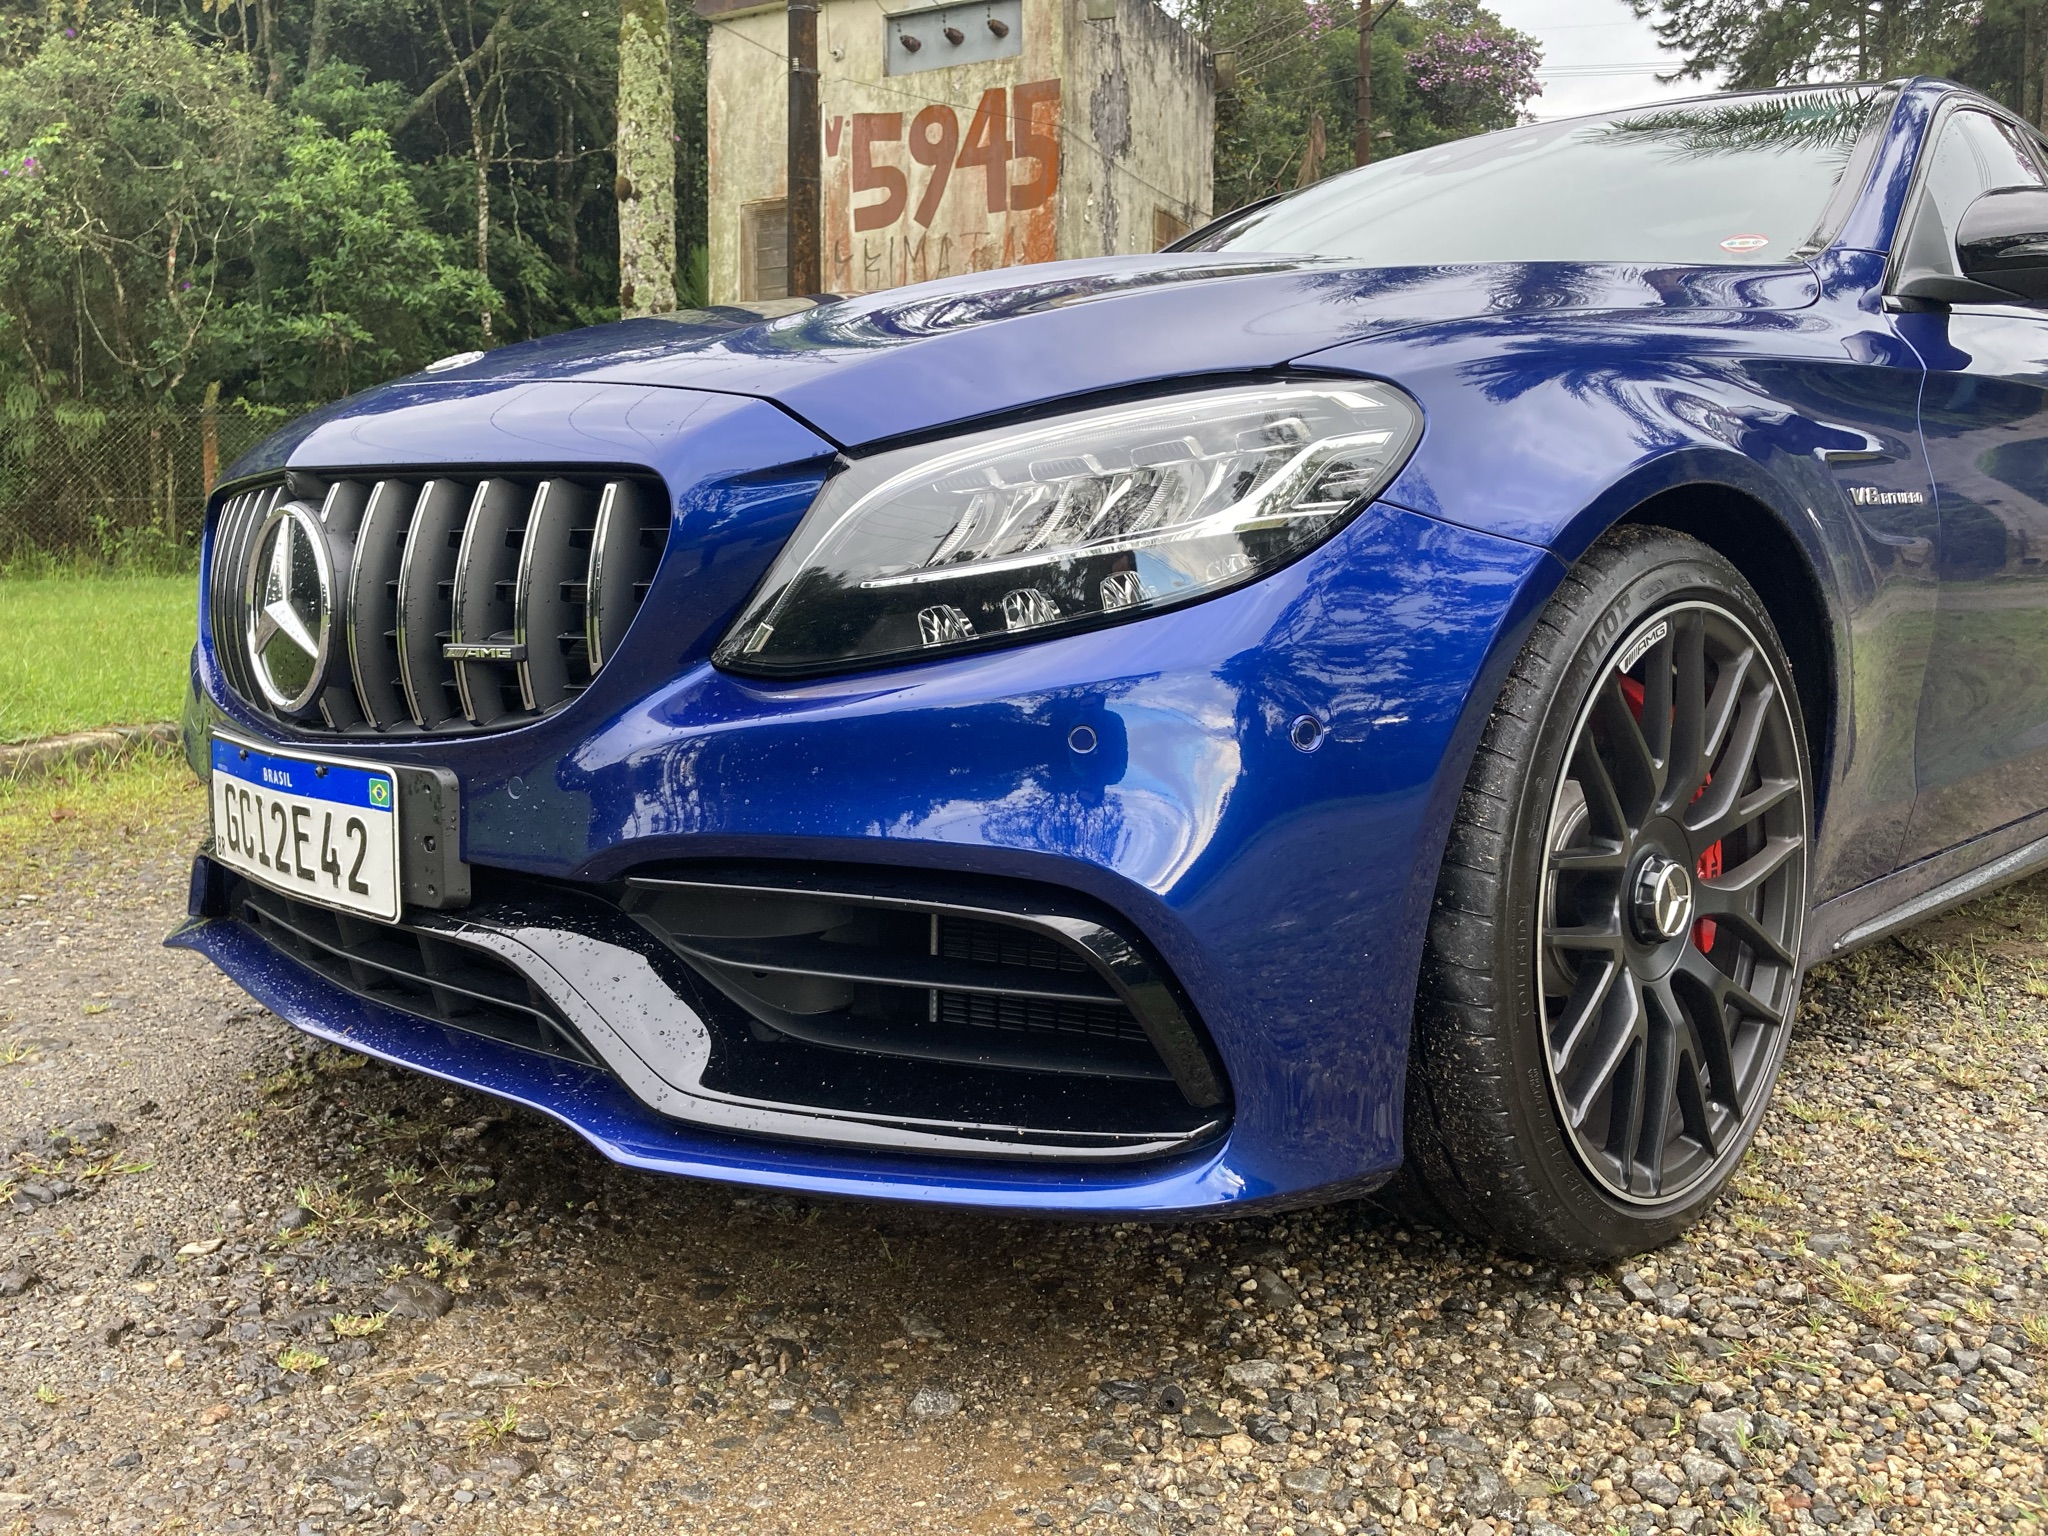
{"x": 1672, "y": 903}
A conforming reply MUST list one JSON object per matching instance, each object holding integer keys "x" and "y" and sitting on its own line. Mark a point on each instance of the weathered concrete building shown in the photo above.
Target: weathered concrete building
{"x": 958, "y": 137}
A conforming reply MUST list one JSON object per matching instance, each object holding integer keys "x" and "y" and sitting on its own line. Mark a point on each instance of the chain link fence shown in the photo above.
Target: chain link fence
{"x": 117, "y": 487}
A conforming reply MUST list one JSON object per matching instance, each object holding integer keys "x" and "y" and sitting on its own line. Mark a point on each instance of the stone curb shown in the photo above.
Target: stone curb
{"x": 34, "y": 759}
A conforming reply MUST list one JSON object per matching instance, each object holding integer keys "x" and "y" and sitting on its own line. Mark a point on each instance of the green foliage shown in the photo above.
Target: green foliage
{"x": 131, "y": 157}
{"x": 1298, "y": 60}
{"x": 1998, "y": 46}
{"x": 352, "y": 286}
{"x": 693, "y": 284}
{"x": 163, "y": 226}
{"x": 295, "y": 198}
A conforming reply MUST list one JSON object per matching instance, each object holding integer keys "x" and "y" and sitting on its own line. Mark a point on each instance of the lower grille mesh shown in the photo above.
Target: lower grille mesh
{"x": 1037, "y": 1016}
{"x": 420, "y": 973}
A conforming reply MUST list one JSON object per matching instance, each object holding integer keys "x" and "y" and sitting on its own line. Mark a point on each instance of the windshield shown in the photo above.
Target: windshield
{"x": 1743, "y": 179}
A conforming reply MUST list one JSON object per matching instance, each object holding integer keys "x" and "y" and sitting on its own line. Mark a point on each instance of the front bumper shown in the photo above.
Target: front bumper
{"x": 1282, "y": 877}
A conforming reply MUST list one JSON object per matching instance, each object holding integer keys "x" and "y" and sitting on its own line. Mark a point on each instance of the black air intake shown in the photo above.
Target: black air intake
{"x": 405, "y": 967}
{"x": 887, "y": 968}
{"x": 942, "y": 1015}
{"x": 459, "y": 602}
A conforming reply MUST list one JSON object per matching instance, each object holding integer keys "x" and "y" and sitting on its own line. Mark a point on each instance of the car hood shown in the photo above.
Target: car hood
{"x": 862, "y": 370}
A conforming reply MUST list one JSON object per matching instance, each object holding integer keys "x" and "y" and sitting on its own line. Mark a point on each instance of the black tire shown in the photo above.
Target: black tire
{"x": 1561, "y": 940}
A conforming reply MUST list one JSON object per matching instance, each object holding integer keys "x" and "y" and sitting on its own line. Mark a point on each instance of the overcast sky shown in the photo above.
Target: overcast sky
{"x": 1596, "y": 55}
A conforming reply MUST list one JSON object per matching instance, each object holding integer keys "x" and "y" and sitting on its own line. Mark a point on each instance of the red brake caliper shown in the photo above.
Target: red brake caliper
{"x": 1709, "y": 867}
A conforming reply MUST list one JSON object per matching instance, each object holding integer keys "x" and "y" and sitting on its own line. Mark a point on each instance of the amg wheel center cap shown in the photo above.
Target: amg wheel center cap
{"x": 1662, "y": 898}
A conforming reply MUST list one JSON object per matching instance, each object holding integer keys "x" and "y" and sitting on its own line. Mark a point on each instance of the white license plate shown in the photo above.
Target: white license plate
{"x": 324, "y": 829}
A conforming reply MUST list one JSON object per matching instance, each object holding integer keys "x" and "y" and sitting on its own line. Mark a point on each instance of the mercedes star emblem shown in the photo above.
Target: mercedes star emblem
{"x": 288, "y": 602}
{"x": 1663, "y": 898}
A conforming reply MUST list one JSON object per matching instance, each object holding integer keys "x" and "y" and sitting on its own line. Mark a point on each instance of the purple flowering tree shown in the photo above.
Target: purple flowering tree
{"x": 1472, "y": 72}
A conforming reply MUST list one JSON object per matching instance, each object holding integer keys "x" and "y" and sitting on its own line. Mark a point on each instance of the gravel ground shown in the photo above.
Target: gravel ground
{"x": 248, "y": 1285}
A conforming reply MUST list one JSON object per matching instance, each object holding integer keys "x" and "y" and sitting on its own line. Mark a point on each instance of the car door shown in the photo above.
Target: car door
{"x": 1981, "y": 751}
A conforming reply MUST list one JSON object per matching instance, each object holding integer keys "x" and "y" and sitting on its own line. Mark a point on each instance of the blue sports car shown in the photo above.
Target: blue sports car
{"x": 1392, "y": 688}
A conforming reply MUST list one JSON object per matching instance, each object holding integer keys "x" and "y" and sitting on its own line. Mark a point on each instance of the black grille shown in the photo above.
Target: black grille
{"x": 462, "y": 602}
{"x": 1037, "y": 1016}
{"x": 879, "y": 967}
{"x": 418, "y": 972}
{"x": 963, "y": 938}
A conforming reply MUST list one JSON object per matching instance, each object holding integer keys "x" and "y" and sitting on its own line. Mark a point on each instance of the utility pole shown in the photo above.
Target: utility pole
{"x": 805, "y": 276}
{"x": 1368, "y": 19}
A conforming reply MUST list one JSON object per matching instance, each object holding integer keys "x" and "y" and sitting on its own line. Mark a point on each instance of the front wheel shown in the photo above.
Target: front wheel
{"x": 1611, "y": 970}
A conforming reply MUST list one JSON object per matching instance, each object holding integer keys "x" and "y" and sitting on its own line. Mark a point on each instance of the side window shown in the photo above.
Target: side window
{"x": 1975, "y": 154}
{"x": 2025, "y": 149}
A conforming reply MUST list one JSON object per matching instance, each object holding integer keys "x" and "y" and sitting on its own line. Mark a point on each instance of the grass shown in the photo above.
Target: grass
{"x": 98, "y": 813}
{"x": 83, "y": 651}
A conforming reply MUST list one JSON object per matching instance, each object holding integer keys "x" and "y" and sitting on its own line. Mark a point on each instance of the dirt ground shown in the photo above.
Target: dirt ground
{"x": 251, "y": 1285}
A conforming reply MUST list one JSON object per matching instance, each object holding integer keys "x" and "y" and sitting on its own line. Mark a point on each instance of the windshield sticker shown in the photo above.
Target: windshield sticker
{"x": 1742, "y": 245}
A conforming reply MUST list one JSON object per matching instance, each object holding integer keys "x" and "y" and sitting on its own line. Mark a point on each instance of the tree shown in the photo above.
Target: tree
{"x": 1299, "y": 60}
{"x": 163, "y": 227}
{"x": 1471, "y": 72}
{"x": 1795, "y": 42}
{"x": 132, "y": 161}
{"x": 2004, "y": 53}
{"x": 351, "y": 286}
{"x": 647, "y": 160}
{"x": 500, "y": 114}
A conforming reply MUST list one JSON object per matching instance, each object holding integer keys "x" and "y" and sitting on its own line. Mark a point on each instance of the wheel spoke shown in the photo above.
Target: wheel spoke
{"x": 1750, "y": 929}
{"x": 1724, "y": 990}
{"x": 1606, "y": 854}
{"x": 1634, "y": 770}
{"x": 1600, "y": 938}
{"x": 1686, "y": 763}
{"x": 1721, "y": 708}
{"x": 1656, "y": 716}
{"x": 1715, "y": 993}
{"x": 1662, "y": 1060}
{"x": 1621, "y": 1030}
{"x": 1747, "y": 809}
{"x": 1603, "y": 805}
{"x": 1582, "y": 1012}
{"x": 1739, "y": 886}
{"x": 1731, "y": 771}
{"x": 1694, "y": 1112}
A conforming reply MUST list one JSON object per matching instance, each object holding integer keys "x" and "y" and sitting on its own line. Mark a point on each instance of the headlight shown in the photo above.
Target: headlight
{"x": 1086, "y": 519}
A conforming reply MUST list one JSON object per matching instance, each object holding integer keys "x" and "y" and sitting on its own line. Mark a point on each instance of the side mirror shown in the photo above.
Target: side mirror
{"x": 2002, "y": 242}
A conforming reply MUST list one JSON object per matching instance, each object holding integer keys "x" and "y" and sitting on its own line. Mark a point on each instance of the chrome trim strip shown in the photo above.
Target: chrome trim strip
{"x": 458, "y": 594}
{"x": 609, "y": 609}
{"x": 390, "y": 500}
{"x": 660, "y": 1047}
{"x": 558, "y": 505}
{"x": 600, "y": 542}
{"x": 479, "y": 619}
{"x": 441, "y": 506}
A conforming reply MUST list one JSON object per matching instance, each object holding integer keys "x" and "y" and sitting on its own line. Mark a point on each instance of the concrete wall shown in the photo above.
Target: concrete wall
{"x": 1071, "y": 147}
{"x": 1140, "y": 129}
{"x": 747, "y": 132}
